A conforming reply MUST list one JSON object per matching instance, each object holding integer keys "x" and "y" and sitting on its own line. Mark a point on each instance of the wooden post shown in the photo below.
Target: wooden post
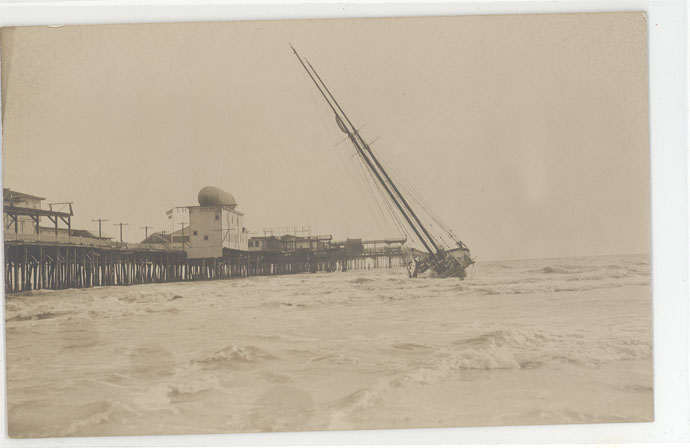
{"x": 42, "y": 273}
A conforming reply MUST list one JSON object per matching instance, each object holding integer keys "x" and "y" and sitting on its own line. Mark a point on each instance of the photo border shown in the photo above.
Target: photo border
{"x": 668, "y": 89}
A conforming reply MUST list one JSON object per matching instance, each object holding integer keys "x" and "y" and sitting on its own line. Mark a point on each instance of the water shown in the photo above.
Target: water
{"x": 519, "y": 342}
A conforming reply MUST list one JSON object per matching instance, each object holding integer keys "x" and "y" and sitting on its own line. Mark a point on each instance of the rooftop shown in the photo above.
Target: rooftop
{"x": 8, "y": 194}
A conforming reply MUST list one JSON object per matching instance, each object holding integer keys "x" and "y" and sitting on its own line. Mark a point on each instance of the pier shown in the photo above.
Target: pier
{"x": 48, "y": 261}
{"x": 215, "y": 245}
{"x": 35, "y": 262}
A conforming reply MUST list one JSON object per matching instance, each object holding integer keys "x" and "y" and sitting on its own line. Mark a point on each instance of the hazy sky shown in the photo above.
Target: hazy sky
{"x": 527, "y": 134}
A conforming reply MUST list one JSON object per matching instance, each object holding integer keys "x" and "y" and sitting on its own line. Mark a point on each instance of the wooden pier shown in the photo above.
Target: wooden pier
{"x": 41, "y": 265}
{"x": 34, "y": 262}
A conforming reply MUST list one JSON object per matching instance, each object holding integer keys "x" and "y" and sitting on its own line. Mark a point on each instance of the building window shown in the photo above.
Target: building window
{"x": 205, "y": 237}
{"x": 194, "y": 233}
{"x": 217, "y": 216}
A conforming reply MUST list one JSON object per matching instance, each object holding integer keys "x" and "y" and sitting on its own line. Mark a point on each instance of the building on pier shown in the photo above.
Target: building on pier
{"x": 14, "y": 201}
{"x": 215, "y": 225}
{"x": 17, "y": 199}
{"x": 357, "y": 245}
{"x": 267, "y": 244}
{"x": 22, "y": 215}
{"x": 176, "y": 238}
{"x": 74, "y": 233}
{"x": 289, "y": 243}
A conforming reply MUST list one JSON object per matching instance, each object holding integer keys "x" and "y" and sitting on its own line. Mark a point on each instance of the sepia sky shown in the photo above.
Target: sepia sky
{"x": 527, "y": 134}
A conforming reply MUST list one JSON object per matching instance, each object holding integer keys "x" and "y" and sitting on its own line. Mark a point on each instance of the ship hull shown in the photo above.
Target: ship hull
{"x": 451, "y": 263}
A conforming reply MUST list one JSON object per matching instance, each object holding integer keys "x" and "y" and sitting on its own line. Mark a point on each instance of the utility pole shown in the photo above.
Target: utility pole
{"x": 99, "y": 220}
{"x": 146, "y": 230}
{"x": 121, "y": 224}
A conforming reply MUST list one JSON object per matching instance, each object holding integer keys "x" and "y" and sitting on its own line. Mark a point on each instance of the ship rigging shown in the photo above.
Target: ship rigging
{"x": 440, "y": 258}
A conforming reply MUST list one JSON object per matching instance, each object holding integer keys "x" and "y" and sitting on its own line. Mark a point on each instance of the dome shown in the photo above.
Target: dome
{"x": 214, "y": 197}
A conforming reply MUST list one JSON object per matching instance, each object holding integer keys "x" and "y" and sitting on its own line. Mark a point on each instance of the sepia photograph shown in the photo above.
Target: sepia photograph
{"x": 326, "y": 224}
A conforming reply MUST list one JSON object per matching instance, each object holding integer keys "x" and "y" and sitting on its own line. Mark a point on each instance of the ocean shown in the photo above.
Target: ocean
{"x": 522, "y": 342}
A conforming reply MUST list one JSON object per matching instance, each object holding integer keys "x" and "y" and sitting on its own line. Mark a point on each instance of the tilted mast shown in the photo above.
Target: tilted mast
{"x": 367, "y": 155}
{"x": 378, "y": 165}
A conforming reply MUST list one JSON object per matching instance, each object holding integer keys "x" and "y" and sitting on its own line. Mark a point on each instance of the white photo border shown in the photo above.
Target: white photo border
{"x": 668, "y": 69}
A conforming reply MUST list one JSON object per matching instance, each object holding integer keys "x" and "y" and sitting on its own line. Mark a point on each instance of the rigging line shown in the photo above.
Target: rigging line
{"x": 426, "y": 208}
{"x": 380, "y": 196}
{"x": 399, "y": 170}
{"x": 394, "y": 214}
{"x": 411, "y": 194}
{"x": 439, "y": 233}
{"x": 357, "y": 143}
{"x": 353, "y": 177}
{"x": 417, "y": 194}
{"x": 319, "y": 110}
{"x": 373, "y": 196}
{"x": 405, "y": 182}
{"x": 376, "y": 192}
{"x": 416, "y": 237}
{"x": 357, "y": 180}
{"x": 442, "y": 229}
{"x": 419, "y": 226}
{"x": 386, "y": 201}
{"x": 425, "y": 205}
{"x": 361, "y": 183}
{"x": 401, "y": 229}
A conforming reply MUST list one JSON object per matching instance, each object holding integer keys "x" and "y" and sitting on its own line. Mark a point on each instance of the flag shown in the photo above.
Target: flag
{"x": 169, "y": 213}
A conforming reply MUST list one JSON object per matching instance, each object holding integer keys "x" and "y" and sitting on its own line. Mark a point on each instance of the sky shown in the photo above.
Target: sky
{"x": 527, "y": 134}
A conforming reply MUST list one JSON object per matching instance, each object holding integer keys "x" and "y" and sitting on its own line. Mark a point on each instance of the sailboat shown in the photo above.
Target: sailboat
{"x": 443, "y": 255}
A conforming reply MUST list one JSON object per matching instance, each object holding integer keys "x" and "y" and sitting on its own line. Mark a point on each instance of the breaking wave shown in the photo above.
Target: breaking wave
{"x": 494, "y": 351}
{"x": 530, "y": 349}
{"x": 233, "y": 354}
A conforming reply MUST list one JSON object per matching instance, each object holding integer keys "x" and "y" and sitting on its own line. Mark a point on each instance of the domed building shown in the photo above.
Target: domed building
{"x": 215, "y": 226}
{"x": 215, "y": 197}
